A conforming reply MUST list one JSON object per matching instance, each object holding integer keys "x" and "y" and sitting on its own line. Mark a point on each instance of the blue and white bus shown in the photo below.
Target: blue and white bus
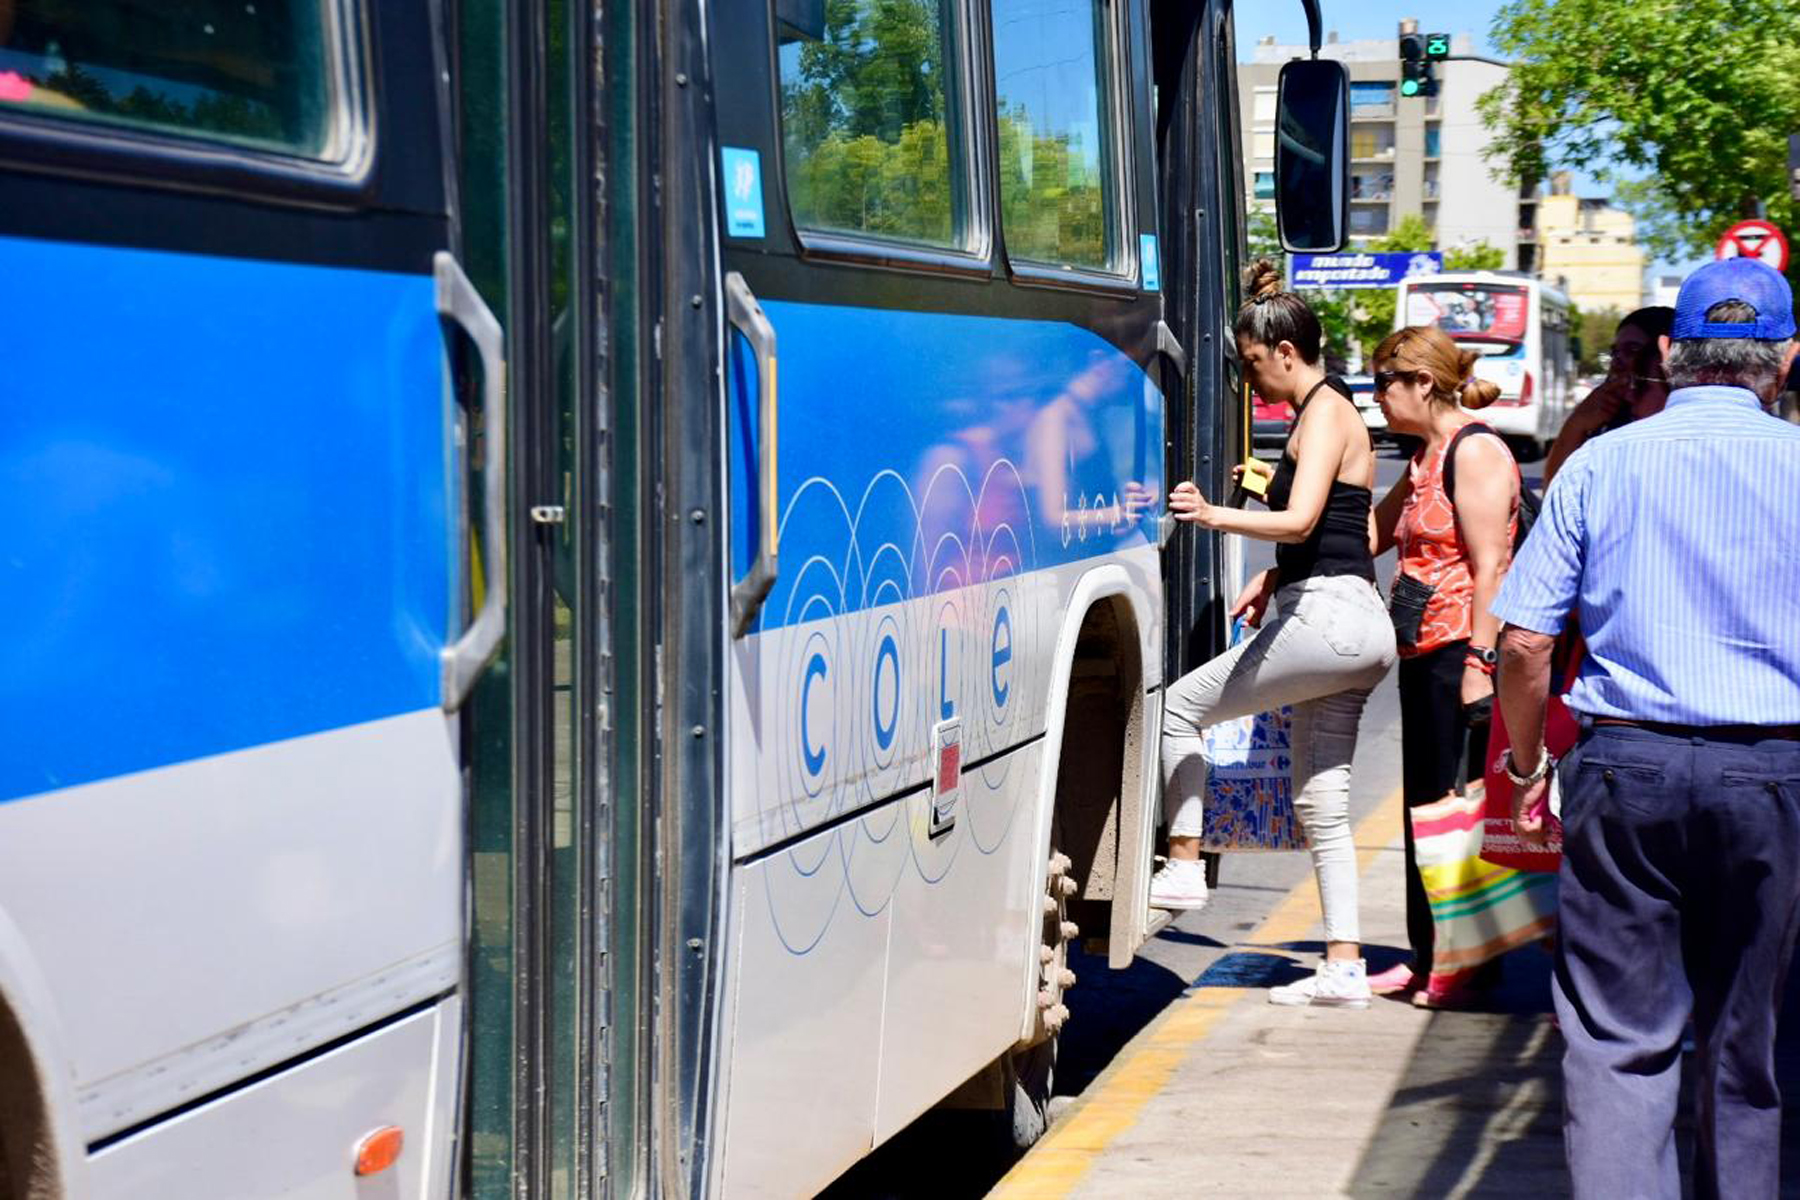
{"x": 587, "y": 582}
{"x": 1522, "y": 330}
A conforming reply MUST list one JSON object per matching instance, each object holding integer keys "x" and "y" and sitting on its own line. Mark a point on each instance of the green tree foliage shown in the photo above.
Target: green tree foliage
{"x": 1051, "y": 203}
{"x": 863, "y": 113}
{"x": 868, "y": 150}
{"x": 1596, "y": 331}
{"x": 1697, "y": 98}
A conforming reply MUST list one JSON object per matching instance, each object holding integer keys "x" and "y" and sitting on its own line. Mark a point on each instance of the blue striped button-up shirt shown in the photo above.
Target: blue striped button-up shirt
{"x": 1677, "y": 540}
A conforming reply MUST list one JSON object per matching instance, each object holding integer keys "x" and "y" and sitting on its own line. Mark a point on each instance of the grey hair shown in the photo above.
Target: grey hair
{"x": 1731, "y": 362}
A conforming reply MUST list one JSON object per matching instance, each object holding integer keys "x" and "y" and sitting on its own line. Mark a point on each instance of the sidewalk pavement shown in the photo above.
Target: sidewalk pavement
{"x": 1228, "y": 1095}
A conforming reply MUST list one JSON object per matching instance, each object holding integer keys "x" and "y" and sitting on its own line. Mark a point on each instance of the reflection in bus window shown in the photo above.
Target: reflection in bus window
{"x": 1054, "y": 133}
{"x": 251, "y": 73}
{"x": 868, "y": 117}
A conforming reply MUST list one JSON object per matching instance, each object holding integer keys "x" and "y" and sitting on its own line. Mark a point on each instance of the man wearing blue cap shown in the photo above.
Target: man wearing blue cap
{"x": 1677, "y": 541}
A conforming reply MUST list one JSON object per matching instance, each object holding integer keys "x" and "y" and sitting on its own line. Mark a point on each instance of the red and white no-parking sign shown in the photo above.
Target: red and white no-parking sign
{"x": 1754, "y": 239}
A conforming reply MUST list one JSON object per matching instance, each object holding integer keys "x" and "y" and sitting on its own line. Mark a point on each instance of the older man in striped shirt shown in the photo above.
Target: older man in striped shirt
{"x": 1676, "y": 540}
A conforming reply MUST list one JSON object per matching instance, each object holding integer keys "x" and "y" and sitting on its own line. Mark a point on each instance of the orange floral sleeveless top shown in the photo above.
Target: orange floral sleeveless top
{"x": 1430, "y": 547}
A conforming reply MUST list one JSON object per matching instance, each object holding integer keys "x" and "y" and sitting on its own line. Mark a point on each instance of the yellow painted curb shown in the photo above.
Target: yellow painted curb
{"x": 1112, "y": 1103}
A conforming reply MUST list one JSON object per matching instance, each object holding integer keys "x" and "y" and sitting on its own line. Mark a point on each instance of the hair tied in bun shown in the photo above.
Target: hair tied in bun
{"x": 1476, "y": 392}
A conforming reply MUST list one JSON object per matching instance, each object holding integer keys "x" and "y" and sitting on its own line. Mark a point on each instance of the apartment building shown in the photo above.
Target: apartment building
{"x": 1589, "y": 249}
{"x": 1418, "y": 155}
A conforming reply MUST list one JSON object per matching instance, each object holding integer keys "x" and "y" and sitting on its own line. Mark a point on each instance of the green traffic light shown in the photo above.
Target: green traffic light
{"x": 1409, "y": 87}
{"x": 1437, "y": 46}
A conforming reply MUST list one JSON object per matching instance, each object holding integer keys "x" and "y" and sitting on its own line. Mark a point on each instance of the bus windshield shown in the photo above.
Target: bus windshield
{"x": 1478, "y": 312}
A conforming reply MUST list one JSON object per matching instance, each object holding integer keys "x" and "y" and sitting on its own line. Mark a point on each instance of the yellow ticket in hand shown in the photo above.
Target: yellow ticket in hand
{"x": 1254, "y": 475}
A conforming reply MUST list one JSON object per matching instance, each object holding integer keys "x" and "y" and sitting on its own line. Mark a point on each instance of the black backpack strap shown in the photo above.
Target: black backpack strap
{"x": 1528, "y": 503}
{"x": 1450, "y": 457}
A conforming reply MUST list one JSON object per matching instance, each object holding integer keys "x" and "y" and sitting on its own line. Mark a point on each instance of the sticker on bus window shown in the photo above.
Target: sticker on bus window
{"x": 742, "y": 170}
{"x": 1151, "y": 262}
{"x": 946, "y": 777}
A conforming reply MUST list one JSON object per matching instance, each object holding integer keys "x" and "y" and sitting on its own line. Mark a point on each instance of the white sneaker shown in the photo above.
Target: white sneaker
{"x": 1334, "y": 985}
{"x": 1181, "y": 884}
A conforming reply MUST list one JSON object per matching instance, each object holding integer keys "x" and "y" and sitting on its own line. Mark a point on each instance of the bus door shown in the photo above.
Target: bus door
{"x": 1202, "y": 210}
{"x": 563, "y": 733}
{"x": 232, "y": 462}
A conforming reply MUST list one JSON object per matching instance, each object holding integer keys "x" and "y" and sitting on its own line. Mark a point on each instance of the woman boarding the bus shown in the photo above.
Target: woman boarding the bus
{"x": 1326, "y": 646}
{"x": 1453, "y": 553}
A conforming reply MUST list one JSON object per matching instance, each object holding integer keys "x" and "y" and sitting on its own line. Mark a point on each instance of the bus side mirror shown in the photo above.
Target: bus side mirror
{"x": 800, "y": 20}
{"x": 1312, "y": 155}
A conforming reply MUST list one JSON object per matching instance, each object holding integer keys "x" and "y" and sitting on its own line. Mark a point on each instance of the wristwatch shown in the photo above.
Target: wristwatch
{"x": 1489, "y": 656}
{"x": 1543, "y": 769}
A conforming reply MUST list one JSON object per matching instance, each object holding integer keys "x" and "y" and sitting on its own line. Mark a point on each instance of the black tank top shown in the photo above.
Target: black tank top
{"x": 1339, "y": 542}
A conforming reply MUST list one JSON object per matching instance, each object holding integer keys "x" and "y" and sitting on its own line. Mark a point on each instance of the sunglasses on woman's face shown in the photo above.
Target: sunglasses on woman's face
{"x": 1387, "y": 379}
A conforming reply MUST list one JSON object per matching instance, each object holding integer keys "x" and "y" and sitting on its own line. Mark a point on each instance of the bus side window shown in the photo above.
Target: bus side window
{"x": 872, "y": 121}
{"x": 265, "y": 75}
{"x": 1058, "y": 157}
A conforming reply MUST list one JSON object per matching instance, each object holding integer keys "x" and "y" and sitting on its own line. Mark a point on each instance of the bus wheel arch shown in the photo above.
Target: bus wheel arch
{"x": 28, "y": 1162}
{"x": 41, "y": 1156}
{"x": 1099, "y": 816}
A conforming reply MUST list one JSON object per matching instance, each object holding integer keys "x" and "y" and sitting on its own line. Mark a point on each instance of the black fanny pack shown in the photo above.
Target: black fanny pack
{"x": 1406, "y": 607}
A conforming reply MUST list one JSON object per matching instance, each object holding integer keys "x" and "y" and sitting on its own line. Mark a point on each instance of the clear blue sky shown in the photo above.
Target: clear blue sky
{"x": 1359, "y": 20}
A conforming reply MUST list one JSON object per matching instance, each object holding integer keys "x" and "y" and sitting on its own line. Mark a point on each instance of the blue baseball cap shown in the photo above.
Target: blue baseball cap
{"x": 1747, "y": 279}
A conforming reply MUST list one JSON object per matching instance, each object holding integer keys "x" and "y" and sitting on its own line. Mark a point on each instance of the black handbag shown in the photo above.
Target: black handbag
{"x": 1406, "y": 607}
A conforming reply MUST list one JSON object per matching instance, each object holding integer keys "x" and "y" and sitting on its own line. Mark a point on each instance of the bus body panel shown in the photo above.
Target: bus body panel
{"x": 953, "y": 1001}
{"x": 837, "y": 1046}
{"x": 350, "y": 914}
{"x": 226, "y": 475}
{"x": 294, "y": 1133}
{"x": 804, "y": 1028}
{"x": 229, "y": 580}
{"x": 937, "y": 569}
{"x": 1002, "y": 448}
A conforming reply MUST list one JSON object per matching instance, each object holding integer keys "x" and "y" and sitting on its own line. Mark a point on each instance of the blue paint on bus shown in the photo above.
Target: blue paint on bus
{"x": 921, "y": 452}
{"x": 228, "y": 501}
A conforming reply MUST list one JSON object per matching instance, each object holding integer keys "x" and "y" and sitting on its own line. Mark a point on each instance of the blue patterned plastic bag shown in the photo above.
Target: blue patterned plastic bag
{"x": 1250, "y": 787}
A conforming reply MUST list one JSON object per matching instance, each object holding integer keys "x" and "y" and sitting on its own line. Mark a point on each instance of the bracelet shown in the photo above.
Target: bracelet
{"x": 1486, "y": 668}
{"x": 1543, "y": 768}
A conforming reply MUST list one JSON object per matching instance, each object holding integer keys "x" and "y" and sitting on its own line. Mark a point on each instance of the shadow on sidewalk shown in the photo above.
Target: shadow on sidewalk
{"x": 1478, "y": 1111}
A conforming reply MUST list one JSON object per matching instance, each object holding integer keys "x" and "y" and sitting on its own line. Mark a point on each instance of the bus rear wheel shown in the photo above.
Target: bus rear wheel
{"x": 1028, "y": 1079}
{"x": 1028, "y": 1072}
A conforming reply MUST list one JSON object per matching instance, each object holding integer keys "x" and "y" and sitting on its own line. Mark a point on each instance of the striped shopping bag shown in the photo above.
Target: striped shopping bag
{"x": 1479, "y": 910}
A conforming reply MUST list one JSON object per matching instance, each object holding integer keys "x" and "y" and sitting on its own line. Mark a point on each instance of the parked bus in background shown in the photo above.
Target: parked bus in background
{"x": 1522, "y": 331}
{"x": 587, "y": 583}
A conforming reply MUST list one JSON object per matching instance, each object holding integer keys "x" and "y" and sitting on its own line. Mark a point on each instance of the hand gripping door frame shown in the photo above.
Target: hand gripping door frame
{"x": 746, "y": 315}
{"x": 459, "y": 303}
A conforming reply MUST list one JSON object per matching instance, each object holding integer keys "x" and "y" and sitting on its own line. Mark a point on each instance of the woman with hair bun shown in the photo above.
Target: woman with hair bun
{"x": 1455, "y": 545}
{"x": 1326, "y": 644}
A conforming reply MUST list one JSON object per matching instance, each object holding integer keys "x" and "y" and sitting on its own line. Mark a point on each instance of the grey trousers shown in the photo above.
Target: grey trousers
{"x": 1323, "y": 646}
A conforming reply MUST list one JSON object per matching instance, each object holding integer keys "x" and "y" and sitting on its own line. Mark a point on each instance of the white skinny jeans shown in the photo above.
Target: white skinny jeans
{"x": 1323, "y": 646}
